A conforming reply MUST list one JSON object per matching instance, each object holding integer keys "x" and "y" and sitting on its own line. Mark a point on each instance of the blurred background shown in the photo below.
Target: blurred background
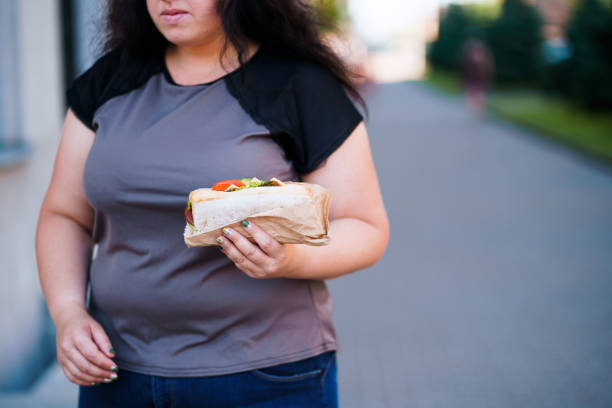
{"x": 491, "y": 128}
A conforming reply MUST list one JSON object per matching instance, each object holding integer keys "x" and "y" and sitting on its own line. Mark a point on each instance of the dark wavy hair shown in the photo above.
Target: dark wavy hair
{"x": 286, "y": 28}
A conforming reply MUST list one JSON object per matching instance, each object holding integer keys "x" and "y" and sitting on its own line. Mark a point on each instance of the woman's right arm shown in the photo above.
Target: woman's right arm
{"x": 63, "y": 251}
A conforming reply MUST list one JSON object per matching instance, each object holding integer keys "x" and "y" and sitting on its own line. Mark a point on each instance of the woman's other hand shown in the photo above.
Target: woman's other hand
{"x": 84, "y": 350}
{"x": 82, "y": 346}
{"x": 266, "y": 259}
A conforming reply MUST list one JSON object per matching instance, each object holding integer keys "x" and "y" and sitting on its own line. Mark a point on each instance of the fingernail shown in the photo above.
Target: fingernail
{"x": 95, "y": 383}
{"x": 111, "y": 350}
{"x": 220, "y": 248}
{"x": 245, "y": 224}
{"x": 107, "y": 380}
{"x": 113, "y": 376}
{"x": 114, "y": 368}
{"x": 220, "y": 240}
{"x": 226, "y": 232}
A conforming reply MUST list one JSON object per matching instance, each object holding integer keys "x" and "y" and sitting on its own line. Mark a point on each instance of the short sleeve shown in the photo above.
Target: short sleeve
{"x": 325, "y": 117}
{"x": 88, "y": 91}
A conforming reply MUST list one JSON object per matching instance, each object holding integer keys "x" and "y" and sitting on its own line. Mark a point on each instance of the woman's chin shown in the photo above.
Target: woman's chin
{"x": 181, "y": 39}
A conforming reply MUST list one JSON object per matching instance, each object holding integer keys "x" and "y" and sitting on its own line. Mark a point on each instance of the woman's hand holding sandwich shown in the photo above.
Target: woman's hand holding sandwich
{"x": 358, "y": 229}
{"x": 266, "y": 259}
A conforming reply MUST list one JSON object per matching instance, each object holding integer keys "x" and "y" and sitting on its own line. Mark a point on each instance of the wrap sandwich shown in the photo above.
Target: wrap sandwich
{"x": 291, "y": 212}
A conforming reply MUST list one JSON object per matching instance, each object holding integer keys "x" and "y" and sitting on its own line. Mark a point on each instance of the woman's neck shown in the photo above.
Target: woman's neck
{"x": 205, "y": 53}
{"x": 190, "y": 65}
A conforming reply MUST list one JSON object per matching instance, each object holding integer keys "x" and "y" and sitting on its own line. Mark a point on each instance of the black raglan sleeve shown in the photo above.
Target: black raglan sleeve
{"x": 324, "y": 116}
{"x": 91, "y": 89}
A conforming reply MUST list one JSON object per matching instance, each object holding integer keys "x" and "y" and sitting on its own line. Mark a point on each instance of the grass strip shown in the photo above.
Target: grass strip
{"x": 444, "y": 81}
{"x": 556, "y": 118}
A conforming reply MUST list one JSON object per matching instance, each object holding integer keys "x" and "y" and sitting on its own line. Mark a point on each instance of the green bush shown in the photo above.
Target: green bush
{"x": 587, "y": 74}
{"x": 445, "y": 52}
{"x": 515, "y": 40}
{"x": 513, "y": 33}
{"x": 331, "y": 12}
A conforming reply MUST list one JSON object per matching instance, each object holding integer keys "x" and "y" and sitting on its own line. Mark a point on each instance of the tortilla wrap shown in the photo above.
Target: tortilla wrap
{"x": 296, "y": 213}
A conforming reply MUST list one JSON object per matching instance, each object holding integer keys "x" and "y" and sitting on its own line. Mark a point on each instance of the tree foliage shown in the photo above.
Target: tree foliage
{"x": 445, "y": 52}
{"x": 587, "y": 74}
{"x": 515, "y": 40}
{"x": 331, "y": 12}
{"x": 514, "y": 37}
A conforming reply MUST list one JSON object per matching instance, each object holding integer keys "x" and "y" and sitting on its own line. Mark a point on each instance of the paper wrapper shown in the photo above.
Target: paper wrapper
{"x": 301, "y": 224}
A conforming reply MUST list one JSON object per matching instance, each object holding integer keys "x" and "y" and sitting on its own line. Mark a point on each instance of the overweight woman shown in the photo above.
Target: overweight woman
{"x": 187, "y": 93}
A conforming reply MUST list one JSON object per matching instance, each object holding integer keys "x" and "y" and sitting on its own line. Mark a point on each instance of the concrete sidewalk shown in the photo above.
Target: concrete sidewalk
{"x": 496, "y": 288}
{"x": 53, "y": 390}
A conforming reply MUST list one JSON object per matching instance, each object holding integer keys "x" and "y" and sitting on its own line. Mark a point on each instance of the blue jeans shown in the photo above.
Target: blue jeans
{"x": 306, "y": 383}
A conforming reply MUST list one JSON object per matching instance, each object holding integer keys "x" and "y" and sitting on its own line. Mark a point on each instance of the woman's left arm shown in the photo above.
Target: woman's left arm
{"x": 358, "y": 228}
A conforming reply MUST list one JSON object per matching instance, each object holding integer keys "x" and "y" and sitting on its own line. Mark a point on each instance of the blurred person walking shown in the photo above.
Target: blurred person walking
{"x": 477, "y": 72}
{"x": 191, "y": 92}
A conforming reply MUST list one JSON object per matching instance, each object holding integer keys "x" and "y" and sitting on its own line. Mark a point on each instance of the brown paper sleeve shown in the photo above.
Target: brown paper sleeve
{"x": 304, "y": 224}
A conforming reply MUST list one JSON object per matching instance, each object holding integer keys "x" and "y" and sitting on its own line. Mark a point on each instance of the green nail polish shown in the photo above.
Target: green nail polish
{"x": 220, "y": 248}
{"x": 220, "y": 240}
{"x": 245, "y": 224}
{"x": 114, "y": 368}
{"x": 226, "y": 232}
{"x": 111, "y": 350}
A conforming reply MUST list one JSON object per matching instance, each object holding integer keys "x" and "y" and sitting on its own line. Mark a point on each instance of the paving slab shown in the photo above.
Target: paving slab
{"x": 496, "y": 288}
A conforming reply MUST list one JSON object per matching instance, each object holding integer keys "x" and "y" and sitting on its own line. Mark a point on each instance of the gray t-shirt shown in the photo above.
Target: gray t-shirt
{"x": 170, "y": 310}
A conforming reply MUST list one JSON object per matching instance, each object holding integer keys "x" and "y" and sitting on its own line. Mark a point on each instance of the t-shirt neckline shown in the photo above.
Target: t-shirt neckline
{"x": 170, "y": 80}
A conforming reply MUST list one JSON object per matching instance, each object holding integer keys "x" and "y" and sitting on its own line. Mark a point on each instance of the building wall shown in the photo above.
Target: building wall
{"x": 37, "y": 109}
{"x": 87, "y": 26}
{"x": 10, "y": 120}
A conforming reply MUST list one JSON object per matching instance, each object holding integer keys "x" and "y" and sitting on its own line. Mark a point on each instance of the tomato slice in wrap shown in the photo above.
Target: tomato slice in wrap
{"x": 223, "y": 185}
{"x": 188, "y": 213}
